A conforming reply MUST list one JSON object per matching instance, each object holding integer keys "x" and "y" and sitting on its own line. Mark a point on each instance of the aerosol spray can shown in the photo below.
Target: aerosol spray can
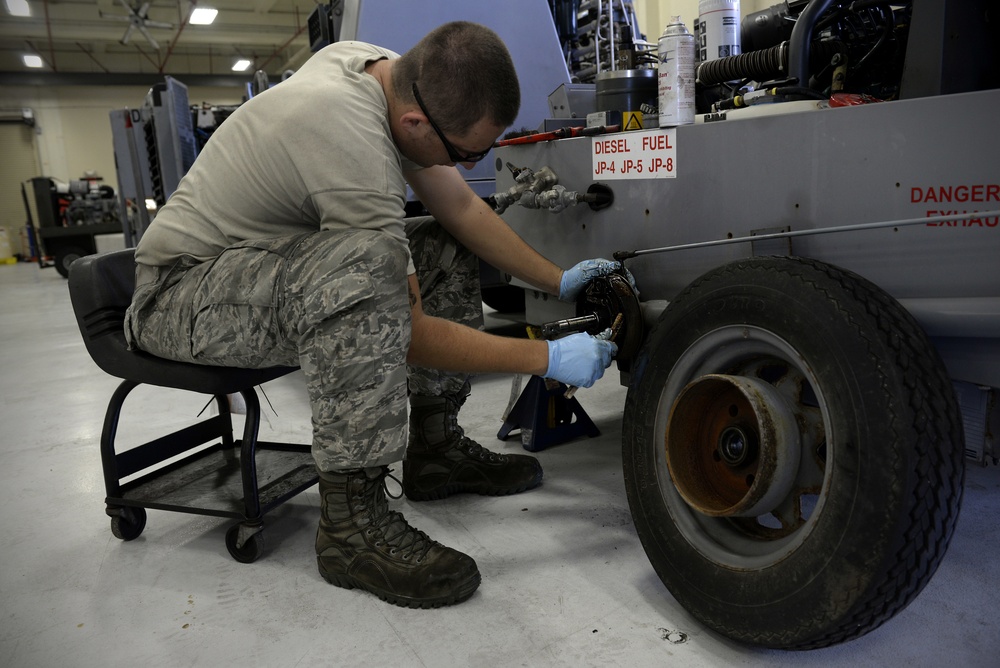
{"x": 676, "y": 74}
{"x": 717, "y": 30}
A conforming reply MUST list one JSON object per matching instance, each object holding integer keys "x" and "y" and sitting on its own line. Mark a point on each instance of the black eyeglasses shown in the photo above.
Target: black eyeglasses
{"x": 453, "y": 153}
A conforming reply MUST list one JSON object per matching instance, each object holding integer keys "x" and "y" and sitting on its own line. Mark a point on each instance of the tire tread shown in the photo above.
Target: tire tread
{"x": 930, "y": 488}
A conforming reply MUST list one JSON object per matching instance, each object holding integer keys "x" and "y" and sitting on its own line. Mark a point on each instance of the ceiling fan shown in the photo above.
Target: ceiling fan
{"x": 137, "y": 20}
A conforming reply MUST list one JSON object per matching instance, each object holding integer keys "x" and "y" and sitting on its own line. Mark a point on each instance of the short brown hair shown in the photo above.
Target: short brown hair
{"x": 464, "y": 73}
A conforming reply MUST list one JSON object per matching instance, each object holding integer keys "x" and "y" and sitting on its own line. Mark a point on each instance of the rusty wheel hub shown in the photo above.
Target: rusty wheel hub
{"x": 732, "y": 446}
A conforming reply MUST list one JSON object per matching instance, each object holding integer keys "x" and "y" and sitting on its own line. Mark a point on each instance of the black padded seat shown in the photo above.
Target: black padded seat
{"x": 100, "y": 288}
{"x": 241, "y": 478}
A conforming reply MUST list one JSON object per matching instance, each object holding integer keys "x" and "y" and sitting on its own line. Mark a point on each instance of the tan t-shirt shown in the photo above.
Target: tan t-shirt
{"x": 312, "y": 153}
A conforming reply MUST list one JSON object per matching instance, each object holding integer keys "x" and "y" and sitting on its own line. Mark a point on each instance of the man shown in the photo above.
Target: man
{"x": 286, "y": 244}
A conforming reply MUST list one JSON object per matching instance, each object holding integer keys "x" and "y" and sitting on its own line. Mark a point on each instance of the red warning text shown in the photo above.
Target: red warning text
{"x": 979, "y": 192}
{"x": 959, "y": 200}
{"x": 649, "y": 154}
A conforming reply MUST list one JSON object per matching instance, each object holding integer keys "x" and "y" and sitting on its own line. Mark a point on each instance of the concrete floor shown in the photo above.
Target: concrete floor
{"x": 565, "y": 581}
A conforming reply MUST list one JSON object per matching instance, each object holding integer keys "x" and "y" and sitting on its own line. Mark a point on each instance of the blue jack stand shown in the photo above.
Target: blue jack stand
{"x": 545, "y": 416}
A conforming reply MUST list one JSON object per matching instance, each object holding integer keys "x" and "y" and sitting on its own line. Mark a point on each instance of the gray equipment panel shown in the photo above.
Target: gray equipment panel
{"x": 134, "y": 180}
{"x": 810, "y": 170}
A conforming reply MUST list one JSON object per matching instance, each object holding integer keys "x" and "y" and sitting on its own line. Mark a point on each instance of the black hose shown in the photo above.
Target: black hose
{"x": 799, "y": 91}
{"x": 887, "y": 31}
{"x": 801, "y": 39}
{"x": 758, "y": 65}
{"x": 763, "y": 65}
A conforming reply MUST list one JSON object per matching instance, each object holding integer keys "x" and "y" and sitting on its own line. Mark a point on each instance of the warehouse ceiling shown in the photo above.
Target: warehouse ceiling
{"x": 129, "y": 41}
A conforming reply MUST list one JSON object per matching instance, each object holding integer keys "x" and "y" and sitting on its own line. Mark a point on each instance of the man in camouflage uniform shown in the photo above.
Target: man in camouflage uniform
{"x": 286, "y": 244}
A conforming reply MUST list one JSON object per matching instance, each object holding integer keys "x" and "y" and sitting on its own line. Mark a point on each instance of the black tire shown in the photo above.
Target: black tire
{"x": 250, "y": 551}
{"x": 874, "y": 501}
{"x": 65, "y": 257}
{"x": 128, "y": 523}
{"x": 504, "y": 298}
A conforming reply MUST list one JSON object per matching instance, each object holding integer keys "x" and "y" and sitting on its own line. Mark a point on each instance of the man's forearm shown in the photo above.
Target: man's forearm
{"x": 471, "y": 220}
{"x": 440, "y": 344}
{"x": 496, "y": 243}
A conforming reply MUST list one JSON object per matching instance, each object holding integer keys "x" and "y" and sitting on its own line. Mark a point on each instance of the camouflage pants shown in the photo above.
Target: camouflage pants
{"x": 448, "y": 274}
{"x": 333, "y": 303}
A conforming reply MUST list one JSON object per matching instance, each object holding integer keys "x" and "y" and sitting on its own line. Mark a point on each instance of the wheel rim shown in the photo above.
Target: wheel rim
{"x": 771, "y": 515}
{"x": 732, "y": 446}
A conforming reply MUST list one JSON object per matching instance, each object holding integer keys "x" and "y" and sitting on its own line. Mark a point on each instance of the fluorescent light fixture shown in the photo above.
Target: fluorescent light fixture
{"x": 150, "y": 205}
{"x": 32, "y": 61}
{"x": 241, "y": 65}
{"x": 18, "y": 7}
{"x": 203, "y": 16}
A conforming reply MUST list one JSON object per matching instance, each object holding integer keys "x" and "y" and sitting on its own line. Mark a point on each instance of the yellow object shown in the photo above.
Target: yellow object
{"x": 631, "y": 120}
{"x": 6, "y": 256}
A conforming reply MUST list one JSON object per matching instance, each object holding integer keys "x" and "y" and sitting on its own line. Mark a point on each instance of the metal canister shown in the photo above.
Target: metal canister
{"x": 717, "y": 30}
{"x": 626, "y": 91}
{"x": 675, "y": 74}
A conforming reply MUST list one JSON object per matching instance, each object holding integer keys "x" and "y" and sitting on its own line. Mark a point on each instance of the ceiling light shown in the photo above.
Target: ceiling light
{"x": 241, "y": 65}
{"x": 203, "y": 16}
{"x": 32, "y": 61}
{"x": 18, "y": 7}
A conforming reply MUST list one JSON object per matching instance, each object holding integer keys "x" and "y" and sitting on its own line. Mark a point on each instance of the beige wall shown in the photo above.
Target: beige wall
{"x": 72, "y": 129}
{"x": 72, "y": 136}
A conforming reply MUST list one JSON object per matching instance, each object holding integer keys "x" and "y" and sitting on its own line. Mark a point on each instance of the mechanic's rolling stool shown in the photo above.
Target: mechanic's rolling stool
{"x": 233, "y": 478}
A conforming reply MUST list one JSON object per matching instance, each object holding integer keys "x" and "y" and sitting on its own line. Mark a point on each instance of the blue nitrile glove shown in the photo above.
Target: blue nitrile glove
{"x": 579, "y": 359}
{"x": 576, "y": 277}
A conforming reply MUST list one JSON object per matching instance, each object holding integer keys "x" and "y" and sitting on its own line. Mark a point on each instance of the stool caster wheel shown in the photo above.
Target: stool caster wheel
{"x": 250, "y": 551}
{"x": 128, "y": 522}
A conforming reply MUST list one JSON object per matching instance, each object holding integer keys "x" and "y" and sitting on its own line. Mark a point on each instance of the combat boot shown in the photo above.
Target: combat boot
{"x": 361, "y": 543}
{"x": 441, "y": 460}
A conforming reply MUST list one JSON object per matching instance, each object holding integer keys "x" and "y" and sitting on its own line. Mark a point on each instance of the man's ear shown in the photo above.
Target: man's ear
{"x": 411, "y": 120}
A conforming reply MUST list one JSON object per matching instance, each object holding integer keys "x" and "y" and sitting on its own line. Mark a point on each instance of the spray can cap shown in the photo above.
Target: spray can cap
{"x": 675, "y": 27}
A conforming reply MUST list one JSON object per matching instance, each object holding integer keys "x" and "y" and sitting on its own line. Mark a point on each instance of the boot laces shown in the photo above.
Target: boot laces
{"x": 470, "y": 447}
{"x": 389, "y": 526}
{"x": 473, "y": 449}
